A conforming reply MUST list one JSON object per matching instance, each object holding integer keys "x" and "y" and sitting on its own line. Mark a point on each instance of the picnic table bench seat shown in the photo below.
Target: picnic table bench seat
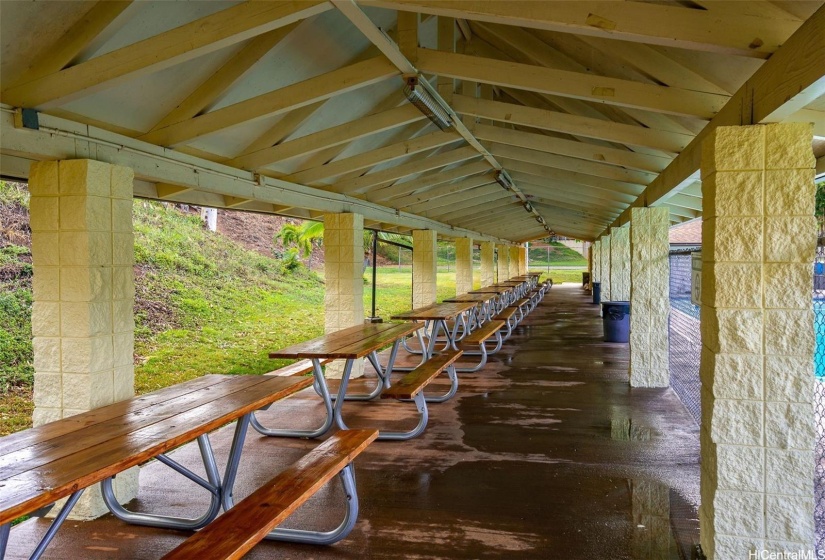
{"x": 523, "y": 306}
{"x": 411, "y": 387}
{"x": 255, "y": 517}
{"x": 508, "y": 315}
{"x": 478, "y": 338}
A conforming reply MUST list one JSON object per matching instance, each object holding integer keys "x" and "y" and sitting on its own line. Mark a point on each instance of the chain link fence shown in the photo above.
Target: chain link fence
{"x": 685, "y": 340}
{"x": 819, "y": 392}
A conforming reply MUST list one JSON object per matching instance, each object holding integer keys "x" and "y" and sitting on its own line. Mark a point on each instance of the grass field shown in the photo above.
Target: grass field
{"x": 204, "y": 305}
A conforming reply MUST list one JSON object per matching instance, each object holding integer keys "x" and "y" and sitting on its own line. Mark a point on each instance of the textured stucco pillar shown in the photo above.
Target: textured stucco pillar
{"x": 649, "y": 297}
{"x": 522, "y": 260}
{"x": 620, "y": 264}
{"x": 605, "y": 268}
{"x": 463, "y": 265}
{"x": 424, "y": 267}
{"x": 488, "y": 258}
{"x": 512, "y": 271}
{"x": 757, "y": 437}
{"x": 596, "y": 262}
{"x": 84, "y": 293}
{"x": 503, "y": 268}
{"x": 343, "y": 279}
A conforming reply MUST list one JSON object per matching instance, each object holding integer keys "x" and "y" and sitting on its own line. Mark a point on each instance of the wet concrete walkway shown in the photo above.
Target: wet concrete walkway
{"x": 545, "y": 453}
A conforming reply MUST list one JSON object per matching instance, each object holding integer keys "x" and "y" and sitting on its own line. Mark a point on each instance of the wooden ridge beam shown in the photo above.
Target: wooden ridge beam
{"x": 202, "y": 36}
{"x": 307, "y": 92}
{"x": 674, "y": 26}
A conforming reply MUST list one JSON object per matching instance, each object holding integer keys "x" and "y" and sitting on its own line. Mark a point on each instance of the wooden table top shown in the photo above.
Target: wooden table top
{"x": 492, "y": 290}
{"x": 509, "y": 283}
{"x": 437, "y": 311}
{"x": 471, "y": 297}
{"x": 43, "y": 464}
{"x": 350, "y": 343}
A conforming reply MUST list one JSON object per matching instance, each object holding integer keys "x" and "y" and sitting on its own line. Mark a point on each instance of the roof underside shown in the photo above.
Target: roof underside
{"x": 584, "y": 104}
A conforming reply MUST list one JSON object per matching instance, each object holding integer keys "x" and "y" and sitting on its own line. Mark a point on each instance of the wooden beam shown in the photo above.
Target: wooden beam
{"x": 165, "y": 190}
{"x": 288, "y": 124}
{"x": 796, "y": 69}
{"x": 572, "y": 124}
{"x": 54, "y": 58}
{"x": 59, "y": 139}
{"x": 407, "y": 34}
{"x": 478, "y": 195}
{"x": 365, "y": 182}
{"x": 375, "y": 157}
{"x": 578, "y": 85}
{"x": 202, "y": 36}
{"x": 285, "y": 99}
{"x": 232, "y": 70}
{"x": 400, "y": 189}
{"x": 329, "y": 137}
{"x": 576, "y": 182}
{"x": 442, "y": 190}
{"x": 675, "y": 26}
{"x": 580, "y": 150}
{"x": 571, "y": 164}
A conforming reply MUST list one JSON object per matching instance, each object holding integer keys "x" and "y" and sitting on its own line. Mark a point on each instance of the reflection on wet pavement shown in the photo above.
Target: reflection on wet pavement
{"x": 545, "y": 453}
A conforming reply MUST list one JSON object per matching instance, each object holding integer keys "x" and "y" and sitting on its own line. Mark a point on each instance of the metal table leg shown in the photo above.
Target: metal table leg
{"x": 320, "y": 385}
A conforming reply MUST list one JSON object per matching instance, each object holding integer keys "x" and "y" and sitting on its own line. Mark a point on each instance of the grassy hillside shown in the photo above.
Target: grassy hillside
{"x": 204, "y": 304}
{"x": 557, "y": 255}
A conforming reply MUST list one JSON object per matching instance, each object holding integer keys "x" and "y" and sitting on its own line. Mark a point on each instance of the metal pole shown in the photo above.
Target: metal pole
{"x": 374, "y": 267}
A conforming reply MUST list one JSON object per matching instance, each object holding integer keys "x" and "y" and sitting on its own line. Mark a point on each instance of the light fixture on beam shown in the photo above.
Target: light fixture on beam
{"x": 528, "y": 207}
{"x": 426, "y": 103}
{"x": 503, "y": 179}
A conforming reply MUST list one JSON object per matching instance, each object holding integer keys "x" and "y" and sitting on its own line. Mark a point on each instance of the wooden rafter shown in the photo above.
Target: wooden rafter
{"x": 328, "y": 137}
{"x": 794, "y": 75}
{"x": 364, "y": 183}
{"x": 745, "y": 35}
{"x": 572, "y": 124}
{"x": 285, "y": 99}
{"x": 433, "y": 179}
{"x": 208, "y": 34}
{"x": 384, "y": 154}
{"x": 612, "y": 91}
{"x": 222, "y": 79}
{"x": 443, "y": 190}
{"x": 570, "y": 148}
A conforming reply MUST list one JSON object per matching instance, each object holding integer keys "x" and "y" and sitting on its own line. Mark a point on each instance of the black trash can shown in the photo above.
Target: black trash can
{"x": 616, "y": 319}
{"x": 597, "y": 292}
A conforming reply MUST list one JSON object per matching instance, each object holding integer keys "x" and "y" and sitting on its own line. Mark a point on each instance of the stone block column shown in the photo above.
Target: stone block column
{"x": 84, "y": 294}
{"x": 512, "y": 270}
{"x": 620, "y": 264}
{"x": 596, "y": 262}
{"x": 522, "y": 260}
{"x": 488, "y": 257}
{"x": 757, "y": 435}
{"x": 343, "y": 279}
{"x": 424, "y": 267}
{"x": 605, "y": 267}
{"x": 649, "y": 297}
{"x": 503, "y": 268}
{"x": 463, "y": 265}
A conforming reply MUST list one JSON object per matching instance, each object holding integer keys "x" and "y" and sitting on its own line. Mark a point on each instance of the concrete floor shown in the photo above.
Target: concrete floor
{"x": 545, "y": 453}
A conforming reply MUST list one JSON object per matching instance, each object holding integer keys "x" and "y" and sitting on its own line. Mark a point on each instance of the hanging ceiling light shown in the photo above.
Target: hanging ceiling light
{"x": 426, "y": 103}
{"x": 503, "y": 179}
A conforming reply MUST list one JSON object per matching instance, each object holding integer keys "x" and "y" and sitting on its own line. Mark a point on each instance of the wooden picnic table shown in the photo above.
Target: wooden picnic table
{"x": 484, "y": 308}
{"x": 60, "y": 459}
{"x": 350, "y": 344}
{"x": 435, "y": 317}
